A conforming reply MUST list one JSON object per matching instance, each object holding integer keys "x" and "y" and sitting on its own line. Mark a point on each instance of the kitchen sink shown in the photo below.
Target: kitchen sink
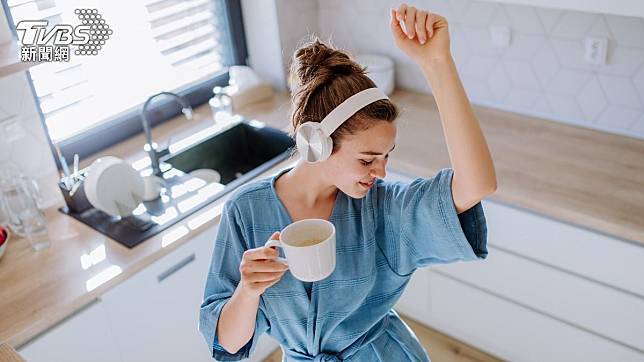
{"x": 238, "y": 151}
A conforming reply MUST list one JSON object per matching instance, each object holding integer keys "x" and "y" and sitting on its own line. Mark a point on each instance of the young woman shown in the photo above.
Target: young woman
{"x": 384, "y": 230}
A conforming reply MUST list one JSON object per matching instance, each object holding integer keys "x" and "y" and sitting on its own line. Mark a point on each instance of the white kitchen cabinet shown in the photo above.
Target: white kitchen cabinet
{"x": 84, "y": 336}
{"x": 154, "y": 314}
{"x": 585, "y": 304}
{"x": 151, "y": 316}
{"x": 615, "y": 7}
{"x": 584, "y": 253}
{"x": 511, "y": 331}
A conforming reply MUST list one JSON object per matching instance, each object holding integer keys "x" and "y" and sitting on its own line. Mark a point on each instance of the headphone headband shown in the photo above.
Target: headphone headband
{"x": 313, "y": 139}
{"x": 349, "y": 107}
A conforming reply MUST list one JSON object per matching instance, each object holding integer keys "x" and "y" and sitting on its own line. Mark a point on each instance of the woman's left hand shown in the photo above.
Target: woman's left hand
{"x": 427, "y": 37}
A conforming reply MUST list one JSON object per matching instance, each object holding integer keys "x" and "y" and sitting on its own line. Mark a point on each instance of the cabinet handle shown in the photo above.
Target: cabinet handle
{"x": 173, "y": 269}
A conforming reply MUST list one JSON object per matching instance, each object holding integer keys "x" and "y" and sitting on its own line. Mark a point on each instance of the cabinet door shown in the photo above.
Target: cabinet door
{"x": 85, "y": 336}
{"x": 566, "y": 247}
{"x": 513, "y": 332}
{"x": 605, "y": 311}
{"x": 154, "y": 314}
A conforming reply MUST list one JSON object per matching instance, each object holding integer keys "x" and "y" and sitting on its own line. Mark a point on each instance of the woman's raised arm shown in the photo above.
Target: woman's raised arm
{"x": 425, "y": 39}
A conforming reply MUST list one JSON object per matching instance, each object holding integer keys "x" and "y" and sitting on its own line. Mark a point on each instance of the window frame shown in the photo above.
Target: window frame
{"x": 128, "y": 123}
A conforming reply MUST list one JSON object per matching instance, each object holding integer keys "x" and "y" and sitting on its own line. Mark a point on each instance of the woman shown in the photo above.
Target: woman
{"x": 384, "y": 230}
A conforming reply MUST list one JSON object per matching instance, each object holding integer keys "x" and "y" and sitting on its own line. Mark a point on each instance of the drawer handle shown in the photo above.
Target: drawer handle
{"x": 173, "y": 269}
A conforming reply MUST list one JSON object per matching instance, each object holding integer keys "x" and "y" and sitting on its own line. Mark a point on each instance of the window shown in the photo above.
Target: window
{"x": 156, "y": 45}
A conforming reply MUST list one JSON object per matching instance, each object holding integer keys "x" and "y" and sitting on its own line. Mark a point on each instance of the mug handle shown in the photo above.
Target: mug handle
{"x": 277, "y": 243}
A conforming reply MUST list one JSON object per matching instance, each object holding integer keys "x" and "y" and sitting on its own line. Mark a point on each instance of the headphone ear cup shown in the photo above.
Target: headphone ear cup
{"x": 312, "y": 144}
{"x": 325, "y": 152}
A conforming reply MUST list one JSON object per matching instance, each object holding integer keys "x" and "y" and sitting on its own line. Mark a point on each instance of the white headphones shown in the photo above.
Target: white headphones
{"x": 313, "y": 139}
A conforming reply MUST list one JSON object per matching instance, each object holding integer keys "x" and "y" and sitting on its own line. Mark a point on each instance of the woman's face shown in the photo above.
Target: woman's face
{"x": 361, "y": 158}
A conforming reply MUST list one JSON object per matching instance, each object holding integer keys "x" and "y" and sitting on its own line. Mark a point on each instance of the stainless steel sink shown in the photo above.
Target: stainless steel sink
{"x": 239, "y": 151}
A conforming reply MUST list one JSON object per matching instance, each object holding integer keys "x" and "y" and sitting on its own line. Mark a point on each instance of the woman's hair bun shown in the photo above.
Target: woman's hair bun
{"x": 321, "y": 78}
{"x": 315, "y": 62}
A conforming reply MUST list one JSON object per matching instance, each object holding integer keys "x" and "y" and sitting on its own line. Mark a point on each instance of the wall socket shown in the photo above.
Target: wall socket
{"x": 595, "y": 49}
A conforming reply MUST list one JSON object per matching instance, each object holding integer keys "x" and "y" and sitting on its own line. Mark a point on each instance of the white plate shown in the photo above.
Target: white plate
{"x": 206, "y": 174}
{"x": 114, "y": 186}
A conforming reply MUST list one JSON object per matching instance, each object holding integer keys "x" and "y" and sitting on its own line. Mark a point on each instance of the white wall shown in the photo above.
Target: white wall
{"x": 297, "y": 19}
{"x": 542, "y": 72}
{"x": 274, "y": 29}
{"x": 263, "y": 41}
{"x": 25, "y": 144}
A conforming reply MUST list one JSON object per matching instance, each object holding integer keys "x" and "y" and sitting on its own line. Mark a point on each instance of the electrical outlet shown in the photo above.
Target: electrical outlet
{"x": 501, "y": 36}
{"x": 595, "y": 50}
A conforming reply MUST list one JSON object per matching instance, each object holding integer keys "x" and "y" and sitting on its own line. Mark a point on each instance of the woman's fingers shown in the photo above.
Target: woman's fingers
{"x": 429, "y": 24}
{"x": 261, "y": 253}
{"x": 394, "y": 24}
{"x": 421, "y": 31}
{"x": 410, "y": 20}
{"x": 417, "y": 23}
{"x": 402, "y": 10}
{"x": 265, "y": 266}
{"x": 263, "y": 277}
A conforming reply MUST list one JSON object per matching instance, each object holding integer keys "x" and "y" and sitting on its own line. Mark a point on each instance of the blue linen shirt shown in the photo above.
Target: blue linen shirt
{"x": 381, "y": 240}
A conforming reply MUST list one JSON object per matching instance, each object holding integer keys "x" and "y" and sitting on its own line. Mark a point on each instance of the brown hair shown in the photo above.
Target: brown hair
{"x": 321, "y": 77}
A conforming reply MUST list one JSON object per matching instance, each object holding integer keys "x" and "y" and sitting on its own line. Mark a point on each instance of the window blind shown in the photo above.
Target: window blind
{"x": 156, "y": 45}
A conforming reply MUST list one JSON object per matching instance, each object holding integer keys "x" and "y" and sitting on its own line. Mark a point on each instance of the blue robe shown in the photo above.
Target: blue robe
{"x": 381, "y": 240}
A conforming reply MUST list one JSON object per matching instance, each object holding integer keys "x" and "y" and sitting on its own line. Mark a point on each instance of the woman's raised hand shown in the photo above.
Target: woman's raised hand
{"x": 259, "y": 269}
{"x": 425, "y": 36}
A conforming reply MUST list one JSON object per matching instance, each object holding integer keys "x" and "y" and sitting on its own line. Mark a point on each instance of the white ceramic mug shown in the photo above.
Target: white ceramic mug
{"x": 309, "y": 247}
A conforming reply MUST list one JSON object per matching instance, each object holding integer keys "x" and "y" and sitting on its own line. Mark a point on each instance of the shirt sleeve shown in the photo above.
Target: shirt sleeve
{"x": 421, "y": 225}
{"x": 223, "y": 277}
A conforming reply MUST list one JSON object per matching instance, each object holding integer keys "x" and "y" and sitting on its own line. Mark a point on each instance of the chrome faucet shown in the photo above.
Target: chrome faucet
{"x": 150, "y": 146}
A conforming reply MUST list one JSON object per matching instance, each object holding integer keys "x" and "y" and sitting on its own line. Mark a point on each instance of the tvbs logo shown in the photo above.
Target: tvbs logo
{"x": 35, "y": 33}
{"x": 42, "y": 44}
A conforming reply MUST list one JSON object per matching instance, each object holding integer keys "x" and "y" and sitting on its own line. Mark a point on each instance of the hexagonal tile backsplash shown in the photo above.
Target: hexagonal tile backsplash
{"x": 542, "y": 73}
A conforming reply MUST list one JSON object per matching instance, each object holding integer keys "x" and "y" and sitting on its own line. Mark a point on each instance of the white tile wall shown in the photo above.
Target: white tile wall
{"x": 542, "y": 73}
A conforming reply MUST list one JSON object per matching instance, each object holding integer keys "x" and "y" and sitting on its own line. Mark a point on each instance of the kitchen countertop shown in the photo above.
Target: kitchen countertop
{"x": 8, "y": 354}
{"x": 584, "y": 177}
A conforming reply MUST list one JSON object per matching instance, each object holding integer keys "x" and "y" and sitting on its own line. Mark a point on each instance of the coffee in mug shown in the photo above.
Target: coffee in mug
{"x": 307, "y": 242}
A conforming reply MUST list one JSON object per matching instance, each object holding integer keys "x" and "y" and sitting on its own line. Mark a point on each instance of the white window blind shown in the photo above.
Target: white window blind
{"x": 156, "y": 45}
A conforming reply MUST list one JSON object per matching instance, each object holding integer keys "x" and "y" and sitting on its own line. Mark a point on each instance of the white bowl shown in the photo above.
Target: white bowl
{"x": 380, "y": 69}
{"x": 114, "y": 186}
